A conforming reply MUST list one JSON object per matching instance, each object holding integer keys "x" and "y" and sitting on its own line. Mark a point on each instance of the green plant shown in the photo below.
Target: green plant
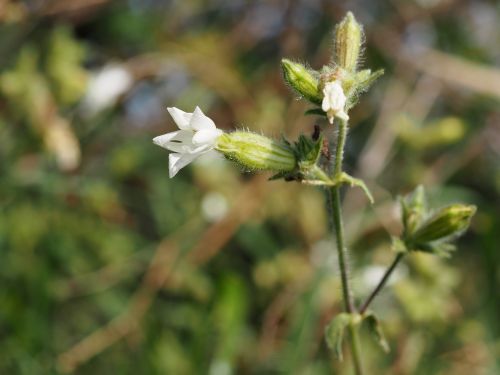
{"x": 334, "y": 90}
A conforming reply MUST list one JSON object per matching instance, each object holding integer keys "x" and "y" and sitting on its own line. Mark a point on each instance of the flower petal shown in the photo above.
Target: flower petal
{"x": 325, "y": 105}
{"x": 334, "y": 101}
{"x": 184, "y": 148}
{"x": 181, "y": 118}
{"x": 201, "y": 122}
{"x": 178, "y": 161}
{"x": 206, "y": 136}
{"x": 179, "y": 135}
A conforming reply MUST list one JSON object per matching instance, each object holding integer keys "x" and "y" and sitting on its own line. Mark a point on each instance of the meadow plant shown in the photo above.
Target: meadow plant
{"x": 317, "y": 160}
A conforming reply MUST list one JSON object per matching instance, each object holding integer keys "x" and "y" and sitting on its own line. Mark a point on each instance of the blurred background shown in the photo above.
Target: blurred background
{"x": 107, "y": 265}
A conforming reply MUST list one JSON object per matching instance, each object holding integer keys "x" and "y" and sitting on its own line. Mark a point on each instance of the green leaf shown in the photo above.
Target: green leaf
{"x": 359, "y": 183}
{"x": 376, "y": 331}
{"x": 334, "y": 333}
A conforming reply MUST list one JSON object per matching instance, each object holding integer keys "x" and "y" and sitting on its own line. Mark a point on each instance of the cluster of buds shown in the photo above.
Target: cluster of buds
{"x": 431, "y": 232}
{"x": 336, "y": 87}
{"x": 333, "y": 90}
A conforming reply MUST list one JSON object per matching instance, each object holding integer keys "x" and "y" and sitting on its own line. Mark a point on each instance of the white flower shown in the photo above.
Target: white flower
{"x": 334, "y": 101}
{"x": 105, "y": 87}
{"x": 197, "y": 135}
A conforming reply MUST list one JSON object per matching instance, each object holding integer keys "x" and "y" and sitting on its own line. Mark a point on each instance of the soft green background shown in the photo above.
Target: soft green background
{"x": 108, "y": 266}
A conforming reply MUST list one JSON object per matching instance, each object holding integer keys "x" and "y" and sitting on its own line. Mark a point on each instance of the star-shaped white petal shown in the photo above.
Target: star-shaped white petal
{"x": 197, "y": 135}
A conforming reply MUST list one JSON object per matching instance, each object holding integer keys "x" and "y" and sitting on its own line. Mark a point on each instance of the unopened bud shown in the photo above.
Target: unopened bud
{"x": 254, "y": 151}
{"x": 302, "y": 80}
{"x": 348, "y": 40}
{"x": 449, "y": 221}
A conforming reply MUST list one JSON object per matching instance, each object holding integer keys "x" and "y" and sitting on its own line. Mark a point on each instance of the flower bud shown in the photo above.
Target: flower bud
{"x": 254, "y": 151}
{"x": 348, "y": 40}
{"x": 302, "y": 80}
{"x": 449, "y": 221}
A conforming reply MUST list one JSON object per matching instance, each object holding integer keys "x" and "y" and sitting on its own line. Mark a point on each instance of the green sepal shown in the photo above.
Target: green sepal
{"x": 308, "y": 151}
{"x": 413, "y": 210}
{"x": 443, "y": 250}
{"x": 398, "y": 245}
{"x": 365, "y": 78}
{"x": 278, "y": 176}
{"x": 376, "y": 330}
{"x": 334, "y": 333}
{"x": 357, "y": 83}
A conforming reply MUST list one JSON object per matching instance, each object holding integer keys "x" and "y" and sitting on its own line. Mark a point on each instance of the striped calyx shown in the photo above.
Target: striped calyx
{"x": 447, "y": 222}
{"x": 256, "y": 152}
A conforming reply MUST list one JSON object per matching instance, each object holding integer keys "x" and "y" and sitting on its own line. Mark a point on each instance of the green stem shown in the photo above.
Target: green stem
{"x": 338, "y": 227}
{"x": 356, "y": 349}
{"x": 381, "y": 284}
{"x": 339, "y": 152}
{"x": 336, "y": 211}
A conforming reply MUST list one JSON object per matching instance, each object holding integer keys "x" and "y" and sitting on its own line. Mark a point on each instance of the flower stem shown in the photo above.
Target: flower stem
{"x": 356, "y": 349}
{"x": 381, "y": 284}
{"x": 336, "y": 213}
{"x": 342, "y": 253}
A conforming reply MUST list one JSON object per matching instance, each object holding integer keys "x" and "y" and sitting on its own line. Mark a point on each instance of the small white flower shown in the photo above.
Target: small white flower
{"x": 197, "y": 135}
{"x": 334, "y": 101}
{"x": 105, "y": 87}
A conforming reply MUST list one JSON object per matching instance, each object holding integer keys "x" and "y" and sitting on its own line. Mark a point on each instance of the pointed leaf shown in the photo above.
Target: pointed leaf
{"x": 359, "y": 183}
{"x": 376, "y": 331}
{"x": 334, "y": 333}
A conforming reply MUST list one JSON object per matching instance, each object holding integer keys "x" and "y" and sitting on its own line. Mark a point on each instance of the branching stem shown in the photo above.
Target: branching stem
{"x": 381, "y": 284}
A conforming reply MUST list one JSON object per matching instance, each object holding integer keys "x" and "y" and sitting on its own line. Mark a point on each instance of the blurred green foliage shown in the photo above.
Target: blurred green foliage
{"x": 86, "y": 204}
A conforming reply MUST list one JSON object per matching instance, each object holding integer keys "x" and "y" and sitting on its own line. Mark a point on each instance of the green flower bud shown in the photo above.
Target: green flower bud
{"x": 348, "y": 41}
{"x": 254, "y": 151}
{"x": 448, "y": 221}
{"x": 302, "y": 80}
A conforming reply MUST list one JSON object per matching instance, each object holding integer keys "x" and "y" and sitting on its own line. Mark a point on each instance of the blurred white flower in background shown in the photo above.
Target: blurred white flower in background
{"x": 197, "y": 135}
{"x": 105, "y": 87}
{"x": 371, "y": 276}
{"x": 214, "y": 206}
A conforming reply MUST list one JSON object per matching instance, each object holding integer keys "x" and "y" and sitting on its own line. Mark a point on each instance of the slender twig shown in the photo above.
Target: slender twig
{"x": 381, "y": 284}
{"x": 336, "y": 212}
{"x": 338, "y": 227}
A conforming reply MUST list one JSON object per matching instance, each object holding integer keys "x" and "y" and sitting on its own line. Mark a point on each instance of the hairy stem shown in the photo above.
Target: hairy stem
{"x": 336, "y": 212}
{"x": 338, "y": 227}
{"x": 381, "y": 284}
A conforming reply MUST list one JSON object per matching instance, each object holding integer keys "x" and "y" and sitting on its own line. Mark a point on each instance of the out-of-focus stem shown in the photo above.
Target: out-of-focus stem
{"x": 381, "y": 284}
